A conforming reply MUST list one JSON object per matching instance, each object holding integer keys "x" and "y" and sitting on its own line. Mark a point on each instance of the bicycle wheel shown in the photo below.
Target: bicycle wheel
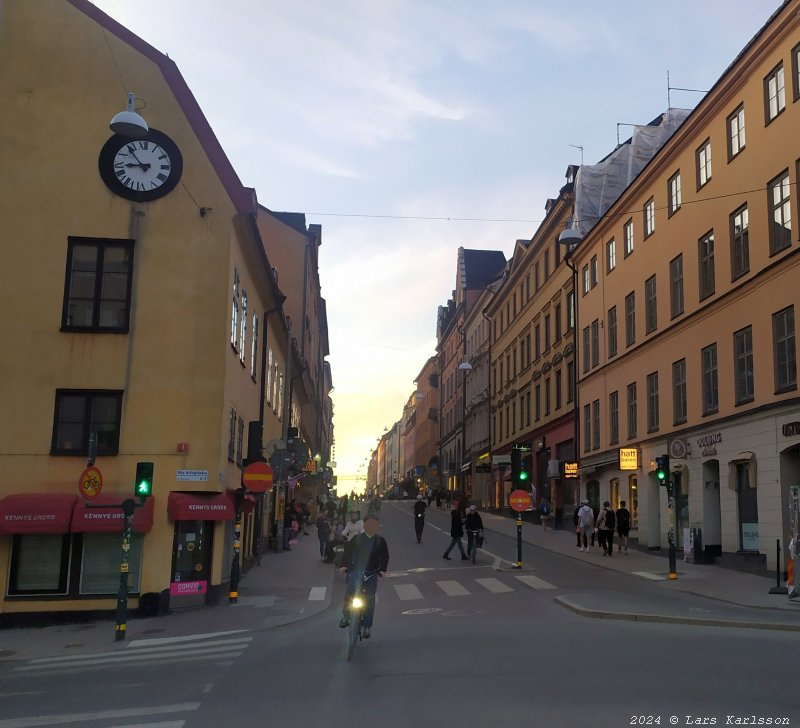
{"x": 474, "y": 548}
{"x": 353, "y": 633}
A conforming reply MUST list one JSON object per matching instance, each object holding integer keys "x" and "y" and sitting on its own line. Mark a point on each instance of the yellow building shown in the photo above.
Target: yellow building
{"x": 688, "y": 289}
{"x": 149, "y": 305}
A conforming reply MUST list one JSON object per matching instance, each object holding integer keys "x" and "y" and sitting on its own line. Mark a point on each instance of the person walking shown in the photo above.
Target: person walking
{"x": 577, "y": 521}
{"x": 585, "y": 524}
{"x": 456, "y": 534}
{"x": 323, "y": 533}
{"x": 419, "y": 517}
{"x": 544, "y": 513}
{"x": 623, "y": 525}
{"x": 606, "y": 521}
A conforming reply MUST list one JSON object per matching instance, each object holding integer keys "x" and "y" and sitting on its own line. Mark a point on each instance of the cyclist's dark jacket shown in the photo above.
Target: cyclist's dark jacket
{"x": 473, "y": 522}
{"x": 362, "y": 553}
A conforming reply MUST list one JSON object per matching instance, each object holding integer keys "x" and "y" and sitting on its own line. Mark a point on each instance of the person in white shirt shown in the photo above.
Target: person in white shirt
{"x": 354, "y": 526}
{"x": 585, "y": 523}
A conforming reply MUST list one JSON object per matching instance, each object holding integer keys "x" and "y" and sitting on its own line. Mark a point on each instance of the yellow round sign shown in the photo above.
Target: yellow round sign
{"x": 90, "y": 484}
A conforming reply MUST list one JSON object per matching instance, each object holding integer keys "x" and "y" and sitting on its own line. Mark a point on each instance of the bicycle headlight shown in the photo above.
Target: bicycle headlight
{"x": 357, "y": 603}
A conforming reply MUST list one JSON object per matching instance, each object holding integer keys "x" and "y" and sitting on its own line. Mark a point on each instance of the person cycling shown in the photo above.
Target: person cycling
{"x": 474, "y": 525}
{"x": 365, "y": 555}
{"x": 419, "y": 517}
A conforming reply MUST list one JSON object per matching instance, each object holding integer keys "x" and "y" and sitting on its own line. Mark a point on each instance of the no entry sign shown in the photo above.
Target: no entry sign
{"x": 257, "y": 477}
{"x": 520, "y": 500}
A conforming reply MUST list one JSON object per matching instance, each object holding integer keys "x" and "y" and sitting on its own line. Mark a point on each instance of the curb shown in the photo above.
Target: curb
{"x": 669, "y": 619}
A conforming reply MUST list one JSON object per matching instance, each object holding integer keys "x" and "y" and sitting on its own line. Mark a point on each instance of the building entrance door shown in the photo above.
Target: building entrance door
{"x": 191, "y": 562}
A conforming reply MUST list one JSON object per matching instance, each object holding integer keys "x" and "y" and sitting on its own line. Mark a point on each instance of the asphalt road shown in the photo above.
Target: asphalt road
{"x": 453, "y": 644}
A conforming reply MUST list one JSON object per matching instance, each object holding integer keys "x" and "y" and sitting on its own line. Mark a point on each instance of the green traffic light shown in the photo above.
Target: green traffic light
{"x": 144, "y": 480}
{"x": 523, "y": 475}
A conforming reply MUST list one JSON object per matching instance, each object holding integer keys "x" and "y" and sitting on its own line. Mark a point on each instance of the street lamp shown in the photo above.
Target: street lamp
{"x": 571, "y": 238}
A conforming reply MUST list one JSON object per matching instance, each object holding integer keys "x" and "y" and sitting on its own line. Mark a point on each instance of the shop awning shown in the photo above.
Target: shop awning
{"x": 200, "y": 507}
{"x": 36, "y": 513}
{"x": 87, "y": 518}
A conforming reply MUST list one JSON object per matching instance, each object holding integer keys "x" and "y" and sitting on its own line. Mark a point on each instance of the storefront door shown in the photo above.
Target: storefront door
{"x": 191, "y": 562}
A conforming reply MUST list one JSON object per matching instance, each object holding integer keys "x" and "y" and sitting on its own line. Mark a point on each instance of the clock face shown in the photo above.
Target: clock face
{"x": 141, "y": 169}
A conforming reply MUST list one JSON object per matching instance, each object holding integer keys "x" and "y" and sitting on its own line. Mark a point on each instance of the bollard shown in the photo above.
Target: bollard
{"x": 778, "y": 589}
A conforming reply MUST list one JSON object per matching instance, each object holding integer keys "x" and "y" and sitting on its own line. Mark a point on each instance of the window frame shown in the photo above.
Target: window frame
{"x": 650, "y": 305}
{"x": 741, "y": 358}
{"x": 737, "y": 137}
{"x": 680, "y": 411}
{"x": 627, "y": 238}
{"x": 706, "y": 273}
{"x": 633, "y": 414}
{"x": 64, "y": 570}
{"x": 780, "y": 95}
{"x": 612, "y": 332}
{"x": 676, "y": 296}
{"x": 611, "y": 256}
{"x": 781, "y": 181}
{"x": 709, "y": 372}
{"x": 740, "y": 243}
{"x": 653, "y": 420}
{"x": 630, "y": 319}
{"x": 649, "y": 217}
{"x": 790, "y": 384}
{"x": 674, "y": 194}
{"x": 88, "y": 395}
{"x": 703, "y": 166}
{"x": 613, "y": 417}
{"x": 796, "y": 72}
{"x": 102, "y": 245}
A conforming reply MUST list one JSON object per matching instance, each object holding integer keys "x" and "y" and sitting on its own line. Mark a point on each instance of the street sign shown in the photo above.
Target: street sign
{"x": 257, "y": 477}
{"x": 520, "y": 500}
{"x": 90, "y": 483}
{"x": 281, "y": 459}
{"x": 570, "y": 470}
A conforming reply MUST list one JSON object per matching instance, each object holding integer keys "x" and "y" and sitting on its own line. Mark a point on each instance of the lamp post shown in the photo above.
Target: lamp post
{"x": 571, "y": 238}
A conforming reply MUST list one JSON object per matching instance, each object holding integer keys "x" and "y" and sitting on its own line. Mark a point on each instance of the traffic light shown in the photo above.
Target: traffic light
{"x": 523, "y": 472}
{"x": 516, "y": 467}
{"x": 662, "y": 469}
{"x": 143, "y": 486}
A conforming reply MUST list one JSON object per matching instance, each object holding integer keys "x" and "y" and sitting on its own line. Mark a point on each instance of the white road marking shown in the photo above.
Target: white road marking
{"x": 168, "y": 724}
{"x": 648, "y": 575}
{"x": 187, "y": 638}
{"x": 64, "y": 718}
{"x": 535, "y": 582}
{"x": 494, "y": 585}
{"x": 452, "y": 588}
{"x": 407, "y": 591}
{"x": 317, "y": 594}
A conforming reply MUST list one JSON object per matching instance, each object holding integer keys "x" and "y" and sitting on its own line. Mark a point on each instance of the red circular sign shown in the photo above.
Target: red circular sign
{"x": 90, "y": 484}
{"x": 520, "y": 500}
{"x": 257, "y": 477}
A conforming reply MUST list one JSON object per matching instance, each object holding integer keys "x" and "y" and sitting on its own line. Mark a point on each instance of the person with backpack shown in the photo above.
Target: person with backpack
{"x": 544, "y": 513}
{"x": 585, "y": 524}
{"x": 623, "y": 525}
{"x": 606, "y": 522}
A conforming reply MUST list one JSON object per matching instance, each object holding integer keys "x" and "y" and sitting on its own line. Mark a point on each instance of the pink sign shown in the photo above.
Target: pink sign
{"x": 180, "y": 588}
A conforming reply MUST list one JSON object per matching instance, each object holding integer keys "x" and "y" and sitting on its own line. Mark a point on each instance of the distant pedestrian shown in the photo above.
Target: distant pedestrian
{"x": 545, "y": 514}
{"x": 456, "y": 534}
{"x": 585, "y": 523}
{"x": 438, "y": 498}
{"x": 419, "y": 517}
{"x": 343, "y": 508}
{"x": 606, "y": 521}
{"x": 429, "y": 495}
{"x": 623, "y": 525}
{"x": 323, "y": 533}
{"x": 577, "y": 521}
{"x": 330, "y": 507}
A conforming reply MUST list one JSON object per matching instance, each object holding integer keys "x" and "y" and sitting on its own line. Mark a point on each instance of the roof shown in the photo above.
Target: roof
{"x": 295, "y": 220}
{"x": 482, "y": 267}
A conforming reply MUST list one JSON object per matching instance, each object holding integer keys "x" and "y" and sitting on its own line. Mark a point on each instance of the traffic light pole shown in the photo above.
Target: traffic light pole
{"x": 236, "y": 566}
{"x": 673, "y": 571}
{"x": 518, "y": 565}
{"x": 128, "y": 509}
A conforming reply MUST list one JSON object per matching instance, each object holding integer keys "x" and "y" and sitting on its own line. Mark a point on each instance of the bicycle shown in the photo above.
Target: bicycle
{"x": 473, "y": 544}
{"x": 358, "y": 603}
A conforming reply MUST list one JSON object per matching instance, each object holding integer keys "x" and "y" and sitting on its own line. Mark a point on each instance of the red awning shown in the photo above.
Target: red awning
{"x": 200, "y": 507}
{"x": 87, "y": 518}
{"x": 36, "y": 513}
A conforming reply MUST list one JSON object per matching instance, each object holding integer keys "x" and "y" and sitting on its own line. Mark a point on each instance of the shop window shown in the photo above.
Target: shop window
{"x": 613, "y": 493}
{"x": 747, "y": 501}
{"x": 633, "y": 500}
{"x": 101, "y": 559}
{"x": 39, "y": 564}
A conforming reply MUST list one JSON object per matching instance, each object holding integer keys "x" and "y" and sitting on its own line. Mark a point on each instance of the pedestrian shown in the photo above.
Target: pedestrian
{"x": 438, "y": 498}
{"x": 289, "y": 517}
{"x": 544, "y": 513}
{"x": 323, "y": 533}
{"x": 585, "y": 524}
{"x": 474, "y": 525}
{"x": 419, "y": 517}
{"x": 354, "y": 526}
{"x": 330, "y": 507}
{"x": 623, "y": 525}
{"x": 429, "y": 495}
{"x": 456, "y": 534}
{"x": 606, "y": 521}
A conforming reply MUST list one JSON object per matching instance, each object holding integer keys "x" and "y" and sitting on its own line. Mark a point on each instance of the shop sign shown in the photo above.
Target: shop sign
{"x": 570, "y": 470}
{"x": 628, "y": 458}
{"x": 191, "y": 476}
{"x": 181, "y": 588}
{"x": 791, "y": 429}
{"x": 708, "y": 443}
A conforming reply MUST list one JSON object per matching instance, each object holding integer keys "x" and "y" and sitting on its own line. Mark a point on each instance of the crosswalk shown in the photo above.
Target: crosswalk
{"x": 212, "y": 646}
{"x": 463, "y": 587}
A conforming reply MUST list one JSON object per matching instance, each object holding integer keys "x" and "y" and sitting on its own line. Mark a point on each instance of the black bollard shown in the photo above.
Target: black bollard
{"x": 778, "y": 589}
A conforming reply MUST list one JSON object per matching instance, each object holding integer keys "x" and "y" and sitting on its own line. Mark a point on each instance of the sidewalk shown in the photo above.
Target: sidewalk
{"x": 285, "y": 588}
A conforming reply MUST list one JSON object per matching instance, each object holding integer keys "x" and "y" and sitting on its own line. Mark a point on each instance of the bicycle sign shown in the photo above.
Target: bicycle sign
{"x": 90, "y": 484}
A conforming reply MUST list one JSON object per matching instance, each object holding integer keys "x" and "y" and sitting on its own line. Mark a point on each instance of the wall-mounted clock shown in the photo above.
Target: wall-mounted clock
{"x": 141, "y": 169}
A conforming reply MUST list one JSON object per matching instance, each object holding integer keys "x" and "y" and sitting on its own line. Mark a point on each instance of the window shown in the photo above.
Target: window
{"x": 703, "y": 156}
{"x": 679, "y": 412}
{"x": 100, "y": 563}
{"x": 613, "y": 418}
{"x": 706, "y": 264}
{"x": 676, "y": 286}
{"x": 557, "y": 252}
{"x": 784, "y": 350}
{"x": 596, "y": 424}
{"x": 538, "y": 402}
{"x": 743, "y": 365}
{"x": 81, "y": 413}
{"x": 547, "y": 396}
{"x": 586, "y": 342}
{"x": 254, "y": 348}
{"x": 632, "y": 410}
{"x": 774, "y": 93}
{"x": 630, "y": 319}
{"x": 627, "y": 238}
{"x": 593, "y": 272}
{"x": 547, "y": 332}
{"x": 558, "y": 390}
{"x": 235, "y": 310}
{"x": 585, "y": 276}
{"x": 269, "y": 376}
{"x": 546, "y": 264}
{"x": 611, "y": 255}
{"x": 740, "y": 245}
{"x": 570, "y": 310}
{"x": 536, "y": 276}
{"x": 708, "y": 361}
{"x": 652, "y": 402}
{"x": 612, "y": 331}
{"x": 649, "y": 217}
{"x": 527, "y": 350}
{"x": 651, "y": 305}
{"x": 40, "y": 564}
{"x": 557, "y": 318}
{"x": 232, "y": 435}
{"x": 736, "y": 132}
{"x": 537, "y": 341}
{"x": 587, "y": 427}
{"x": 571, "y": 381}
{"x": 780, "y": 228}
{"x": 796, "y": 71}
{"x": 674, "y": 193}
{"x": 97, "y": 290}
{"x": 595, "y": 343}
{"x": 527, "y": 286}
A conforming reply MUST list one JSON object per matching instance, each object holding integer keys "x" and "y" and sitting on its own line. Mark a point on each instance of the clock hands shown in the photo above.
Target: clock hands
{"x": 144, "y": 167}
